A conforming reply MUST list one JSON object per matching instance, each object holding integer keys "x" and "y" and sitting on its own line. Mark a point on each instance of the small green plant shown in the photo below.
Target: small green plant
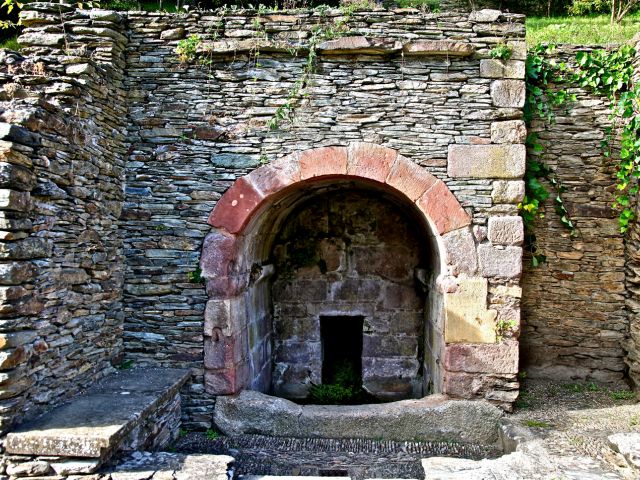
{"x": 505, "y": 328}
{"x": 264, "y": 159}
{"x": 196, "y": 276}
{"x": 522, "y": 374}
{"x": 343, "y": 387}
{"x": 536, "y": 424}
{"x": 125, "y": 365}
{"x": 161, "y": 228}
{"x": 211, "y": 434}
{"x": 593, "y": 387}
{"x": 187, "y": 48}
{"x": 574, "y": 387}
{"x": 634, "y": 421}
{"x": 501, "y": 51}
{"x": 622, "y": 395}
{"x": 182, "y": 432}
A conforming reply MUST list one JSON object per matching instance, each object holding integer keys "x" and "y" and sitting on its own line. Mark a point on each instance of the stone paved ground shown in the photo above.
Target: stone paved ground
{"x": 566, "y": 420}
{"x": 577, "y": 418}
{"x": 357, "y": 458}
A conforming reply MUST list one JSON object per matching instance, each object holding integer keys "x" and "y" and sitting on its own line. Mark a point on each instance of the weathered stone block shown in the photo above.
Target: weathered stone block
{"x": 410, "y": 178}
{"x": 442, "y": 209}
{"x": 220, "y": 252}
{"x": 370, "y": 161}
{"x": 509, "y": 131}
{"x": 486, "y": 161}
{"x": 500, "y": 262}
{"x": 277, "y": 175}
{"x": 501, "y": 358}
{"x": 14, "y": 200}
{"x": 41, "y": 39}
{"x": 228, "y": 316}
{"x": 449, "y": 48}
{"x": 494, "y": 68}
{"x": 15, "y": 273}
{"x": 323, "y": 161}
{"x": 28, "y": 248}
{"x": 486, "y": 15}
{"x": 16, "y": 177}
{"x": 507, "y": 191}
{"x": 233, "y": 211}
{"x": 172, "y": 34}
{"x": 360, "y": 45}
{"x": 508, "y": 93}
{"x": 460, "y": 251}
{"x": 506, "y": 230}
{"x": 467, "y": 319}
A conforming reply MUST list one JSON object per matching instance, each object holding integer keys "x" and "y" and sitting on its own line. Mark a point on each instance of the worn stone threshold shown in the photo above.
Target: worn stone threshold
{"x": 94, "y": 424}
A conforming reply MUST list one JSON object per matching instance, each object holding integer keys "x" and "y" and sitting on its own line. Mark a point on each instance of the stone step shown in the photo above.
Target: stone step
{"x": 289, "y": 477}
{"x": 138, "y": 408}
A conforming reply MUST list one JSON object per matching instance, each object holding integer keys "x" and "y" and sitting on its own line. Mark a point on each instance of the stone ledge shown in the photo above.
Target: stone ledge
{"x": 95, "y": 424}
{"x": 432, "y": 418}
{"x": 359, "y": 45}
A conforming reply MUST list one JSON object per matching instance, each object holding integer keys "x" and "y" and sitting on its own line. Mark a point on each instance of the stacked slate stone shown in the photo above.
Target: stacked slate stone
{"x": 62, "y": 147}
{"x": 574, "y": 304}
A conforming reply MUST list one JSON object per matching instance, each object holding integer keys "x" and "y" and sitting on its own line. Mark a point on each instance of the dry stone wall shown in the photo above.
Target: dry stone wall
{"x": 575, "y": 319}
{"x": 61, "y": 156}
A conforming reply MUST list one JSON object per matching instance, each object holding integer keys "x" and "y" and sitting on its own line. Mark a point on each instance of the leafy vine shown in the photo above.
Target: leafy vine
{"x": 543, "y": 96}
{"x": 610, "y": 73}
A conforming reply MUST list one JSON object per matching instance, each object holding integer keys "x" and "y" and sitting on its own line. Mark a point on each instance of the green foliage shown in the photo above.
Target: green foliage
{"x": 125, "y": 365}
{"x": 196, "y": 276}
{"x": 592, "y": 30}
{"x": 543, "y": 75}
{"x": 505, "y": 328}
{"x": 501, "y": 51}
{"x": 610, "y": 73}
{"x": 11, "y": 43}
{"x": 584, "y": 7}
{"x": 212, "y": 434}
{"x": 622, "y": 395}
{"x": 187, "y": 48}
{"x": 343, "y": 388}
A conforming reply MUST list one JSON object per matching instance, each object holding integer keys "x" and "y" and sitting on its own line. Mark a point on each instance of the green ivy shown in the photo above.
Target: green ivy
{"x": 610, "y": 73}
{"x": 543, "y": 77}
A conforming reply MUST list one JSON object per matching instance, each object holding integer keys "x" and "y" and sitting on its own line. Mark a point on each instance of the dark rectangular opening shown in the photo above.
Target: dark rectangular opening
{"x": 341, "y": 349}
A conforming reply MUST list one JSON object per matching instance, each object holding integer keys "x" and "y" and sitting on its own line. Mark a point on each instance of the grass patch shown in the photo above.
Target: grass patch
{"x": 536, "y": 424}
{"x": 11, "y": 43}
{"x": 123, "y": 5}
{"x": 212, "y": 434}
{"x": 622, "y": 395}
{"x": 591, "y": 30}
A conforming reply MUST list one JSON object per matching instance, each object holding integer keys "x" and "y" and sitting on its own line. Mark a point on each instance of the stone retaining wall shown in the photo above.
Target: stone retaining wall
{"x": 61, "y": 156}
{"x": 575, "y": 320}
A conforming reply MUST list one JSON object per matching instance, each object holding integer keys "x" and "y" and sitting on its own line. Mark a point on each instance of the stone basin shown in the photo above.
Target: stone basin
{"x": 433, "y": 418}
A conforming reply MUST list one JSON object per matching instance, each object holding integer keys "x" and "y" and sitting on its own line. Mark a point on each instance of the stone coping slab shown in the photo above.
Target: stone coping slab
{"x": 93, "y": 425}
{"x": 432, "y": 418}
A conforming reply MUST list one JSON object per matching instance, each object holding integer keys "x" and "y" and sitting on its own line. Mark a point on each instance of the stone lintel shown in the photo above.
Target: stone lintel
{"x": 439, "y": 47}
{"x": 359, "y": 45}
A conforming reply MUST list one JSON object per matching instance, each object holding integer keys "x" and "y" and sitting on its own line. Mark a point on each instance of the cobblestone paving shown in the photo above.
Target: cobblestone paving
{"x": 357, "y": 458}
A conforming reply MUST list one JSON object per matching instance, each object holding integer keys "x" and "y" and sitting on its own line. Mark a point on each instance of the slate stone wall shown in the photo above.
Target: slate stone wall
{"x": 194, "y": 129}
{"x": 575, "y": 318}
{"x": 62, "y": 161}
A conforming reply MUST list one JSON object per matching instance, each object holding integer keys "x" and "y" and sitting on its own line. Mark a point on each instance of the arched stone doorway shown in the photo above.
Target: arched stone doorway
{"x": 237, "y": 262}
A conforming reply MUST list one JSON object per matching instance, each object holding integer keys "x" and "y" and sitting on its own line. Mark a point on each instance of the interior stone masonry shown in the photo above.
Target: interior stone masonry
{"x": 147, "y": 207}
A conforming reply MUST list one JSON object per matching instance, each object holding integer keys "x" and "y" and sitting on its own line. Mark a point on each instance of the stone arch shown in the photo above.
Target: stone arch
{"x": 246, "y": 216}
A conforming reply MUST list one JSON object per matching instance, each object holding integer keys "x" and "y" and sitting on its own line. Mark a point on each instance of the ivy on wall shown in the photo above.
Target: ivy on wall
{"x": 606, "y": 73}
